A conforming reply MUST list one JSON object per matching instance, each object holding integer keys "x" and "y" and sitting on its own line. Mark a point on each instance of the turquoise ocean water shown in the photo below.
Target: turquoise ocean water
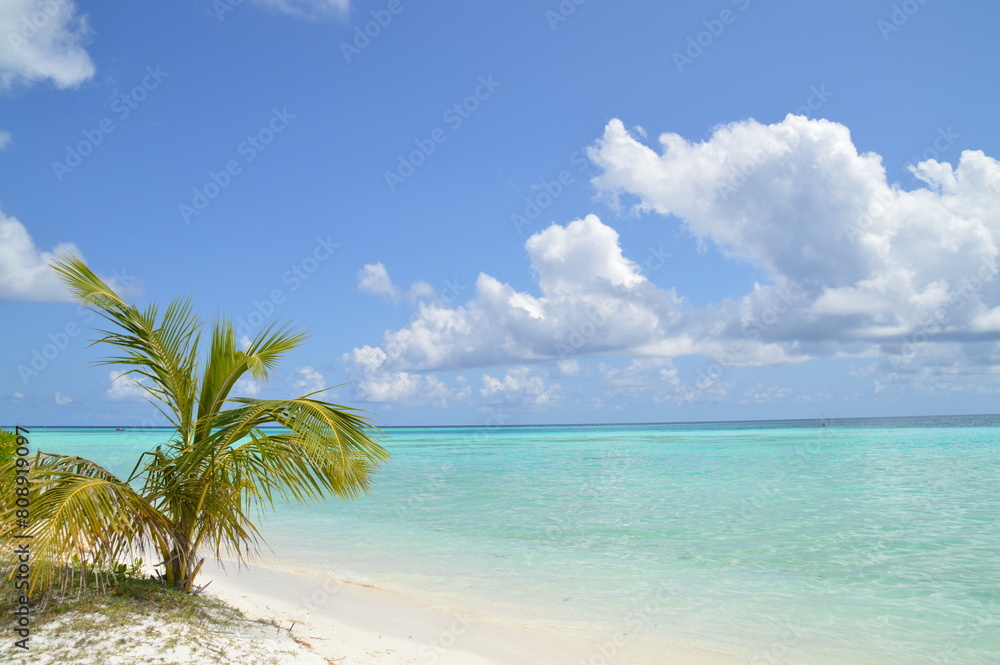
{"x": 864, "y": 541}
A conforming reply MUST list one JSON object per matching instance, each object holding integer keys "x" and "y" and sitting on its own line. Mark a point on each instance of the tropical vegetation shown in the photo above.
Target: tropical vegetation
{"x": 8, "y": 444}
{"x": 228, "y": 457}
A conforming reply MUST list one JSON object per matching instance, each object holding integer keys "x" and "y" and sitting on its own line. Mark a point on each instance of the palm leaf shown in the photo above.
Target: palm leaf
{"x": 79, "y": 508}
{"x": 200, "y": 488}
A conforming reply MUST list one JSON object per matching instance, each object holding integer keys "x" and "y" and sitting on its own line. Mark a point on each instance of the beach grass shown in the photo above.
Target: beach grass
{"x": 141, "y": 620}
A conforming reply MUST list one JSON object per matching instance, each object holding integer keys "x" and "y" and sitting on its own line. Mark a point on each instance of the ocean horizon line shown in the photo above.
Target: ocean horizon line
{"x": 821, "y": 419}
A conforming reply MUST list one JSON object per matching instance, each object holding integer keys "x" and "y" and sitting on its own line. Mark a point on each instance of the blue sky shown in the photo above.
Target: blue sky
{"x": 510, "y": 213}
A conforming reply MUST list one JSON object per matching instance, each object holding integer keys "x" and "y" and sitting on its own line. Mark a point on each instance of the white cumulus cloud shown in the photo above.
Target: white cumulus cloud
{"x": 854, "y": 266}
{"x": 374, "y": 280}
{"x": 519, "y": 386}
{"x": 592, "y": 300}
{"x": 854, "y": 261}
{"x": 43, "y": 40}
{"x": 246, "y": 387}
{"x": 309, "y": 380}
{"x": 24, "y": 270}
{"x": 124, "y": 387}
{"x": 374, "y": 382}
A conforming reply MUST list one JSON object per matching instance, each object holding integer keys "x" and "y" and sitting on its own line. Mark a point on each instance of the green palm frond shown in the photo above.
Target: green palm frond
{"x": 268, "y": 347}
{"x": 78, "y": 508}
{"x": 220, "y": 466}
{"x": 87, "y": 287}
{"x": 163, "y": 349}
{"x": 225, "y": 365}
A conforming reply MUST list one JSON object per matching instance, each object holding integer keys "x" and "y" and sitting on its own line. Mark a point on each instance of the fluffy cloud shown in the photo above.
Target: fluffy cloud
{"x": 518, "y": 387}
{"x": 24, "y": 271}
{"x": 246, "y": 387}
{"x": 374, "y": 280}
{"x": 124, "y": 387}
{"x": 62, "y": 400}
{"x": 856, "y": 267}
{"x": 308, "y": 9}
{"x": 309, "y": 380}
{"x": 374, "y": 382}
{"x": 592, "y": 300}
{"x": 568, "y": 367}
{"x": 853, "y": 260}
{"x": 5, "y": 139}
{"x": 659, "y": 379}
{"x": 43, "y": 41}
{"x": 641, "y": 373}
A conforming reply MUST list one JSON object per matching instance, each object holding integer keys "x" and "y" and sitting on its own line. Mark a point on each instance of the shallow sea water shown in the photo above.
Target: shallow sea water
{"x": 864, "y": 541}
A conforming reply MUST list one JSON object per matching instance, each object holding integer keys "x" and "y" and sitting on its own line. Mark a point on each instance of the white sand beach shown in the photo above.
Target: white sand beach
{"x": 295, "y": 618}
{"x": 90, "y": 638}
{"x": 354, "y": 624}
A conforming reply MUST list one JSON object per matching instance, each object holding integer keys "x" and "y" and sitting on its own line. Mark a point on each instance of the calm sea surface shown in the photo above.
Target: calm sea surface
{"x": 865, "y": 541}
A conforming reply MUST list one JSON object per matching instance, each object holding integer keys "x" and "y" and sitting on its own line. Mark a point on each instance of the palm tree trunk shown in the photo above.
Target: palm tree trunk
{"x": 180, "y": 563}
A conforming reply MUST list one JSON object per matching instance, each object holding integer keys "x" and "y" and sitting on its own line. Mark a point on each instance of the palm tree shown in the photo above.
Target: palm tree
{"x": 196, "y": 491}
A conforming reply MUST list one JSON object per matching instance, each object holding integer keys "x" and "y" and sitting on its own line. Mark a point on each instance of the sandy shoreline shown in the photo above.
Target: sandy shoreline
{"x": 354, "y": 624}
